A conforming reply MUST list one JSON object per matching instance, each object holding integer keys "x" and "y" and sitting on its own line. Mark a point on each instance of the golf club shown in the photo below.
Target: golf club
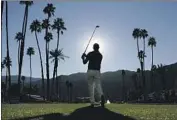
{"x": 91, "y": 37}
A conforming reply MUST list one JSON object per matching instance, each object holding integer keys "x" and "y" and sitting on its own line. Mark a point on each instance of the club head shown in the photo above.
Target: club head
{"x": 97, "y": 26}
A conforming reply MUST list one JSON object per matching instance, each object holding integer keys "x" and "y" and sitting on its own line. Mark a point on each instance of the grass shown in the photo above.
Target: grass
{"x": 137, "y": 111}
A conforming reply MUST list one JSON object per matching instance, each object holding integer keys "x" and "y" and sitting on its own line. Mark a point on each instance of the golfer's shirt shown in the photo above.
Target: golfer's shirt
{"x": 95, "y": 59}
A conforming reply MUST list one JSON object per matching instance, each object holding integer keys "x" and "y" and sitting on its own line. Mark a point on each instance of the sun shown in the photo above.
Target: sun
{"x": 93, "y": 41}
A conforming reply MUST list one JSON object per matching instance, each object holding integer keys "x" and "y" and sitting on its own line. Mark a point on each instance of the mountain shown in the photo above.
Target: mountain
{"x": 111, "y": 82}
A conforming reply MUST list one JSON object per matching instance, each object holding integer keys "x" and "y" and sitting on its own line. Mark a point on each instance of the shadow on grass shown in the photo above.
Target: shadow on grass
{"x": 85, "y": 113}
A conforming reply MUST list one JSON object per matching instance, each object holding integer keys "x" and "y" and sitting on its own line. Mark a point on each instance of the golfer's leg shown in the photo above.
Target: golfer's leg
{"x": 99, "y": 90}
{"x": 91, "y": 86}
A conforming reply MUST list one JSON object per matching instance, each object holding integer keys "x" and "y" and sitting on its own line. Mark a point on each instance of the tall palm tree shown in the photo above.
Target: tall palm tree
{"x": 22, "y": 44}
{"x": 36, "y": 28}
{"x": 7, "y": 63}
{"x": 7, "y": 43}
{"x": 152, "y": 43}
{"x": 49, "y": 10}
{"x": 2, "y": 6}
{"x": 144, "y": 35}
{"x": 136, "y": 36}
{"x": 123, "y": 85}
{"x": 23, "y": 82}
{"x": 56, "y": 55}
{"x": 59, "y": 26}
{"x": 30, "y": 52}
{"x": 19, "y": 38}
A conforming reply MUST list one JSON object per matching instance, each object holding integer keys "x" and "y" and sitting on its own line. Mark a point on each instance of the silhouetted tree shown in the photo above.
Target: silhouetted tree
{"x": 49, "y": 10}
{"x": 30, "y": 52}
{"x": 144, "y": 35}
{"x": 136, "y": 36}
{"x": 19, "y": 38}
{"x": 59, "y": 26}
{"x": 36, "y": 28}
{"x": 22, "y": 44}
{"x": 7, "y": 43}
{"x": 56, "y": 55}
{"x": 7, "y": 63}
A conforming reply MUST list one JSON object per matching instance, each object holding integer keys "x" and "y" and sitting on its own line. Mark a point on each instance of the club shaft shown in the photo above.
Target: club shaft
{"x": 90, "y": 39}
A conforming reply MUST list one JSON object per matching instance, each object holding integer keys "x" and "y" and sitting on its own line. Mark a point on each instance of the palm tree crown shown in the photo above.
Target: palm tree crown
{"x": 30, "y": 51}
{"x": 28, "y": 3}
{"x": 19, "y": 36}
{"x": 36, "y": 26}
{"x": 143, "y": 33}
{"x": 49, "y": 9}
{"x": 59, "y": 25}
{"x": 136, "y": 33}
{"x": 57, "y": 54}
{"x": 48, "y": 37}
{"x": 152, "y": 42}
{"x": 6, "y": 62}
{"x": 45, "y": 24}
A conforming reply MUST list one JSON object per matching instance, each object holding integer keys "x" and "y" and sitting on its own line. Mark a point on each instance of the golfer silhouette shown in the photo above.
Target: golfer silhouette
{"x": 93, "y": 75}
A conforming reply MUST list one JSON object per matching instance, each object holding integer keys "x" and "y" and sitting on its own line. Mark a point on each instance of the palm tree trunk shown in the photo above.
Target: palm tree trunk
{"x": 144, "y": 53}
{"x": 42, "y": 71}
{"x": 58, "y": 35}
{"x": 2, "y": 6}
{"x": 152, "y": 56}
{"x": 47, "y": 66}
{"x": 22, "y": 46}
{"x": 30, "y": 74}
{"x": 19, "y": 52}
{"x": 138, "y": 47}
{"x": 7, "y": 36}
{"x": 53, "y": 80}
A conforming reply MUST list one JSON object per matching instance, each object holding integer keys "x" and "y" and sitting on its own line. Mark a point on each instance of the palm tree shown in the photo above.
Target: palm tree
{"x": 30, "y": 52}
{"x": 153, "y": 70}
{"x": 58, "y": 25}
{"x": 2, "y": 6}
{"x": 56, "y": 55}
{"x": 144, "y": 35}
{"x": 136, "y": 35}
{"x": 19, "y": 38}
{"x": 123, "y": 85}
{"x": 36, "y": 28}
{"x": 22, "y": 44}
{"x": 23, "y": 82}
{"x": 152, "y": 43}
{"x": 49, "y": 10}
{"x": 7, "y": 63}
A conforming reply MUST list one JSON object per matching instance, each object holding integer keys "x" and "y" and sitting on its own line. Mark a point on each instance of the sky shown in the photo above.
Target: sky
{"x": 116, "y": 20}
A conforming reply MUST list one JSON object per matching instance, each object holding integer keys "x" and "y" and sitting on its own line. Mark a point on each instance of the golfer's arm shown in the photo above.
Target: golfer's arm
{"x": 85, "y": 60}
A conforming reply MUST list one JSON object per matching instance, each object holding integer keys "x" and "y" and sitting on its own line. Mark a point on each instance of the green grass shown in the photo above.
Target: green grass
{"x": 138, "y": 111}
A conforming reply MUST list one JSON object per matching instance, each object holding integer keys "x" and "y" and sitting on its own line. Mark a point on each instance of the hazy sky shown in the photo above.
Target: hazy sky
{"x": 117, "y": 21}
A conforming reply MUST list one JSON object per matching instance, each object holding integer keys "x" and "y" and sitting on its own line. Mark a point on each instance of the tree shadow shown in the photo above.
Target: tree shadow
{"x": 85, "y": 113}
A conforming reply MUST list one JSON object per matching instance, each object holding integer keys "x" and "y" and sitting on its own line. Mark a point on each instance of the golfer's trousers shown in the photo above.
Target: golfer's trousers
{"x": 94, "y": 85}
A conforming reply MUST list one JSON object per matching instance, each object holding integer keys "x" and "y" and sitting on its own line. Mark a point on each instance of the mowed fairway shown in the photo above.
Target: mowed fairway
{"x": 137, "y": 111}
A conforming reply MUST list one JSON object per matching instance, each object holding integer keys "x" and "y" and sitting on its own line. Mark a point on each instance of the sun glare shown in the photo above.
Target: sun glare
{"x": 93, "y": 41}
